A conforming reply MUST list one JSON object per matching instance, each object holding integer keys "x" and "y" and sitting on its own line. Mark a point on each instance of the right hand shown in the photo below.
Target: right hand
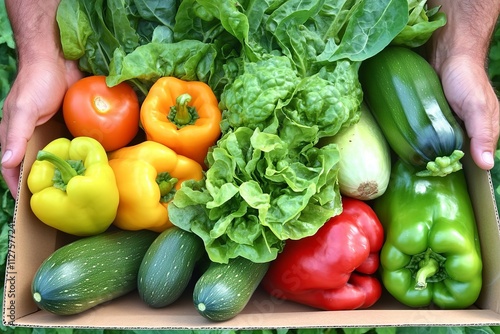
{"x": 36, "y": 95}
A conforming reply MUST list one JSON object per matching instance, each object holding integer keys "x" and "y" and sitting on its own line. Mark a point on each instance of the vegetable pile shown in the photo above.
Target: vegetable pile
{"x": 233, "y": 172}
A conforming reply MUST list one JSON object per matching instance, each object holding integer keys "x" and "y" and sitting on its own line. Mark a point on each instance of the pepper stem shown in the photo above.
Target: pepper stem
{"x": 65, "y": 169}
{"x": 166, "y": 184}
{"x": 429, "y": 268}
{"x": 182, "y": 116}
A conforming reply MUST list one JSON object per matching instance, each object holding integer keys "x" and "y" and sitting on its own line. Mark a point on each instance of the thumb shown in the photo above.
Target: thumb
{"x": 482, "y": 146}
{"x": 483, "y": 132}
{"x": 20, "y": 127}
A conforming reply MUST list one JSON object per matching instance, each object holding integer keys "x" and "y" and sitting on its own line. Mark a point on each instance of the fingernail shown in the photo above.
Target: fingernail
{"x": 488, "y": 158}
{"x": 6, "y": 156}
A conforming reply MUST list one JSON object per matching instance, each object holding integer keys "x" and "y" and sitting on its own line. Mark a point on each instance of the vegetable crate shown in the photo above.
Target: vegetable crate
{"x": 32, "y": 241}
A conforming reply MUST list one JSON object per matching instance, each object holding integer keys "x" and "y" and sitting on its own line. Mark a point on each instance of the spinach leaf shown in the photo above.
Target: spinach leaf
{"x": 193, "y": 21}
{"x": 77, "y": 28}
{"x": 371, "y": 27}
{"x": 121, "y": 25}
{"x": 162, "y": 12}
{"x": 91, "y": 31}
{"x": 187, "y": 60}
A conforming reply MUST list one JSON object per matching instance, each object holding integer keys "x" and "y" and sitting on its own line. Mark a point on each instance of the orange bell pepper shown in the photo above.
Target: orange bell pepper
{"x": 147, "y": 175}
{"x": 183, "y": 115}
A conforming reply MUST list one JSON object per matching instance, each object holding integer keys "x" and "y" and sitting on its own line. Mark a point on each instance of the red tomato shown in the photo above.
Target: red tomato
{"x": 107, "y": 114}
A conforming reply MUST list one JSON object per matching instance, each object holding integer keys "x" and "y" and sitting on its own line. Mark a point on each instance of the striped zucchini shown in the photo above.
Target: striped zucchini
{"x": 90, "y": 271}
{"x": 224, "y": 290}
{"x": 168, "y": 265}
{"x": 406, "y": 98}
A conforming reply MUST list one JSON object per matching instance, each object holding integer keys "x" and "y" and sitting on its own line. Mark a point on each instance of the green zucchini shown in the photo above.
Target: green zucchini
{"x": 224, "y": 290}
{"x": 90, "y": 271}
{"x": 405, "y": 95}
{"x": 168, "y": 266}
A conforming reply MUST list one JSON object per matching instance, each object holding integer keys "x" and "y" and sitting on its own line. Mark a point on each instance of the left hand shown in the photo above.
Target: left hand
{"x": 471, "y": 96}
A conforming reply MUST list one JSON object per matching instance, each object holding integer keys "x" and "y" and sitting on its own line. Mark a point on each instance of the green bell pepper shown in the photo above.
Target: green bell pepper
{"x": 431, "y": 253}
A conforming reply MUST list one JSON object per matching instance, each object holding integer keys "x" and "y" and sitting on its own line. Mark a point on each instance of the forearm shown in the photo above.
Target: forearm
{"x": 468, "y": 30}
{"x": 35, "y": 29}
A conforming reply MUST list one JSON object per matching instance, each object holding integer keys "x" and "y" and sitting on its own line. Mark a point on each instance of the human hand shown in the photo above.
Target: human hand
{"x": 469, "y": 92}
{"x": 36, "y": 95}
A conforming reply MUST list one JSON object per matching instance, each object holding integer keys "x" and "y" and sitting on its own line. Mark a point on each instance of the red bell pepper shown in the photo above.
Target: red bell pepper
{"x": 335, "y": 268}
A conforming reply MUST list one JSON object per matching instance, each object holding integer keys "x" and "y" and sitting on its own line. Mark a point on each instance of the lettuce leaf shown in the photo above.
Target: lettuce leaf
{"x": 255, "y": 196}
{"x": 422, "y": 23}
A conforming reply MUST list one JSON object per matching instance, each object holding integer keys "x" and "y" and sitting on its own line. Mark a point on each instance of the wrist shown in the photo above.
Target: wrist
{"x": 35, "y": 29}
{"x": 467, "y": 33}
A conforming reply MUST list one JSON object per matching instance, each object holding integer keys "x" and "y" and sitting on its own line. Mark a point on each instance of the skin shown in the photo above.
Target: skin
{"x": 43, "y": 78}
{"x": 458, "y": 51}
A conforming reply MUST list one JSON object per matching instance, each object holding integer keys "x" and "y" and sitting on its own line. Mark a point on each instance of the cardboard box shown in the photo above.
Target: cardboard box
{"x": 31, "y": 242}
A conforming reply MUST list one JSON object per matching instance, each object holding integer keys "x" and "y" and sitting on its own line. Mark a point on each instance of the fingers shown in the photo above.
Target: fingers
{"x": 35, "y": 97}
{"x": 16, "y": 128}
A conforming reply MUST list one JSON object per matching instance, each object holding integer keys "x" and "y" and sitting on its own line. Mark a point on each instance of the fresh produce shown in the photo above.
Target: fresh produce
{"x": 365, "y": 158}
{"x": 224, "y": 289}
{"x": 422, "y": 22}
{"x": 267, "y": 181}
{"x": 108, "y": 114}
{"x": 204, "y": 40}
{"x": 147, "y": 176}
{"x": 183, "y": 115}
{"x": 432, "y": 254}
{"x": 335, "y": 268}
{"x": 90, "y": 271}
{"x": 73, "y": 187}
{"x": 168, "y": 266}
{"x": 292, "y": 80}
{"x": 405, "y": 95}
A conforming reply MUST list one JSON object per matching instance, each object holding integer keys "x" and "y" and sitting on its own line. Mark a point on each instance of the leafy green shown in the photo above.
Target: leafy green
{"x": 112, "y": 37}
{"x": 8, "y": 61}
{"x": 92, "y": 32}
{"x": 267, "y": 181}
{"x": 267, "y": 198}
{"x": 494, "y": 59}
{"x": 151, "y": 61}
{"x": 252, "y": 98}
{"x": 422, "y": 23}
{"x": 371, "y": 26}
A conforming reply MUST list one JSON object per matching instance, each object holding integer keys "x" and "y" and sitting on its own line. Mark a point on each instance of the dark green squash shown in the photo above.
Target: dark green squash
{"x": 224, "y": 290}
{"x": 405, "y": 95}
{"x": 90, "y": 271}
{"x": 168, "y": 266}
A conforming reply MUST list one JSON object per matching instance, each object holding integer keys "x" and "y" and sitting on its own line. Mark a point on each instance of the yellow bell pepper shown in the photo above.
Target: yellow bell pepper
{"x": 183, "y": 115}
{"x": 147, "y": 175}
{"x": 73, "y": 187}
